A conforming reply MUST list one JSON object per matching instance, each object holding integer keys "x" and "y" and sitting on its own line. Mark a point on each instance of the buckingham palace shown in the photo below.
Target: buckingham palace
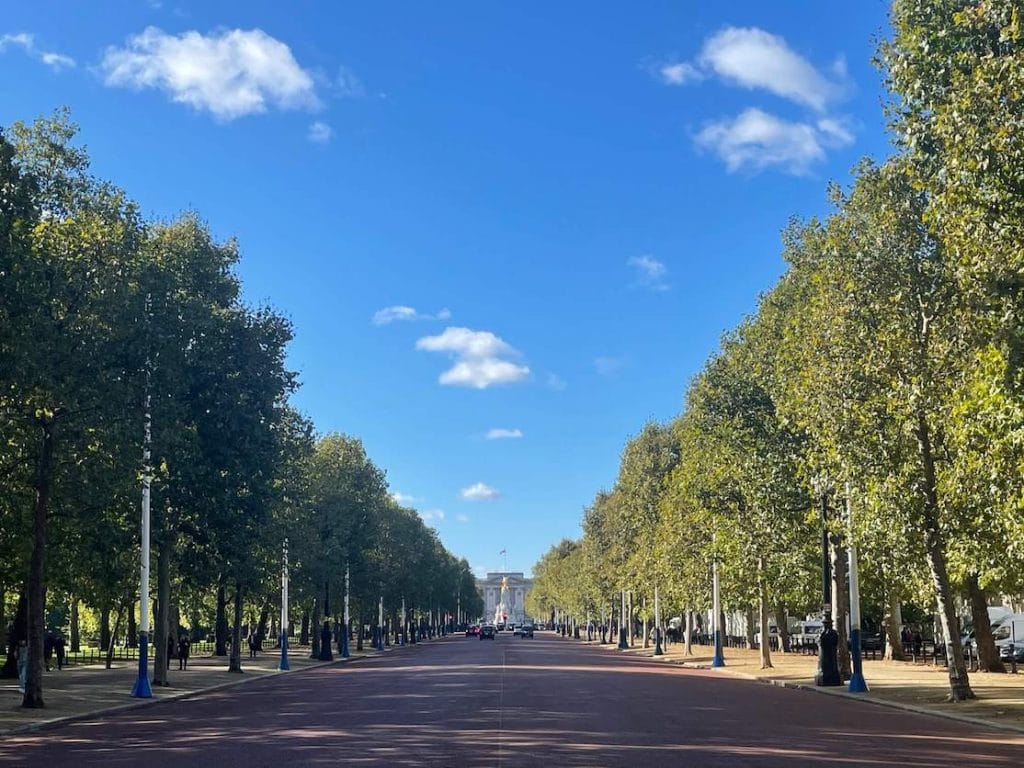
{"x": 490, "y": 588}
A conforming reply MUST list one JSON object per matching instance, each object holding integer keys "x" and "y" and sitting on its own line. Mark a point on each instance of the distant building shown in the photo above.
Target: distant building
{"x": 517, "y": 585}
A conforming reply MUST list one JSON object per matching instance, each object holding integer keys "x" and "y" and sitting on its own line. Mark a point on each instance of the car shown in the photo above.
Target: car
{"x": 1017, "y": 653}
{"x": 472, "y": 630}
{"x": 526, "y": 630}
{"x": 487, "y": 632}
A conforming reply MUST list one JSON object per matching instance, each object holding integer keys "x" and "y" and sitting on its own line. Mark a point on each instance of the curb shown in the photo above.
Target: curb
{"x": 179, "y": 696}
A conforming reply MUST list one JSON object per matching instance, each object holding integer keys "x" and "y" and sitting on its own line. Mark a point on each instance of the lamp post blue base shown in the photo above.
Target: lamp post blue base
{"x": 657, "y": 642}
{"x": 344, "y": 643}
{"x": 283, "y": 664}
{"x": 857, "y": 682}
{"x": 718, "y": 660}
{"x": 142, "y": 689}
{"x": 623, "y": 644}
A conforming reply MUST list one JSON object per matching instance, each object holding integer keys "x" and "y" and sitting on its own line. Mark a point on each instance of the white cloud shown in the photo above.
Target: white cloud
{"x": 756, "y": 140}
{"x": 232, "y": 73}
{"x": 679, "y": 73}
{"x": 347, "y": 84}
{"x": 608, "y": 366}
{"x": 401, "y": 312}
{"x": 462, "y": 518}
{"x": 320, "y": 133}
{"x": 753, "y": 58}
{"x": 479, "y": 492}
{"x": 479, "y": 358}
{"x": 27, "y": 42}
{"x": 650, "y": 272}
{"x": 502, "y": 434}
{"x": 432, "y": 515}
{"x": 403, "y": 498}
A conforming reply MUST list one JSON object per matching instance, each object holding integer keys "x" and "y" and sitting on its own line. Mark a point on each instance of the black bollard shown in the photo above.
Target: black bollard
{"x": 325, "y": 643}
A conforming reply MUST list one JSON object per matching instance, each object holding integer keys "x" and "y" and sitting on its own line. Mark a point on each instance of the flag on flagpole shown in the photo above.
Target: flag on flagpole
{"x": 502, "y": 552}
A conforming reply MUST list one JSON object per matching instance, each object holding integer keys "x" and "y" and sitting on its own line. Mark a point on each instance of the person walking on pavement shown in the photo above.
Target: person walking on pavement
{"x": 58, "y": 647}
{"x": 183, "y": 651}
{"x": 22, "y": 665}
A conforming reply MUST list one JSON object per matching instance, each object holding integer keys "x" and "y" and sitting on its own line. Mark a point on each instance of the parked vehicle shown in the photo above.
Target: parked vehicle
{"x": 773, "y": 636}
{"x": 806, "y": 632}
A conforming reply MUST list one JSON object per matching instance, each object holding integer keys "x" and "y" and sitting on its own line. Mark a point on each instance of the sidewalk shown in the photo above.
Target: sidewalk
{"x": 83, "y": 690}
{"x": 901, "y": 684}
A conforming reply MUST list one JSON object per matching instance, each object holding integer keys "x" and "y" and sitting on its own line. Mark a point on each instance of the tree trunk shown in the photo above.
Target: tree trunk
{"x": 762, "y": 594}
{"x": 988, "y": 655}
{"x": 109, "y": 660}
{"x": 750, "y": 626}
{"x": 132, "y": 638}
{"x": 644, "y": 609}
{"x": 359, "y": 634}
{"x": 261, "y": 627}
{"x": 104, "y": 628}
{"x": 221, "y": 622}
{"x": 934, "y": 544}
{"x": 19, "y": 632}
{"x": 304, "y": 632}
{"x": 782, "y": 621}
{"x": 841, "y": 605}
{"x": 161, "y": 627}
{"x": 235, "y": 660}
{"x": 76, "y": 628}
{"x": 33, "y": 698}
{"x": 893, "y": 620}
{"x": 689, "y": 633}
{"x": 314, "y": 631}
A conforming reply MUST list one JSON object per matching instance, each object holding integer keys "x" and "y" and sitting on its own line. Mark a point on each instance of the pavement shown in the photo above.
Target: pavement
{"x": 466, "y": 702}
{"x": 910, "y": 686}
{"x": 87, "y": 689}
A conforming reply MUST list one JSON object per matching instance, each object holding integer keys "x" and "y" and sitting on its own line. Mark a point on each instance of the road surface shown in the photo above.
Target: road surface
{"x": 512, "y": 702}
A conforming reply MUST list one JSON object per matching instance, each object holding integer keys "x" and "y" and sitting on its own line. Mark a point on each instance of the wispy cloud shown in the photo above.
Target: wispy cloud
{"x": 504, "y": 434}
{"x": 679, "y": 73}
{"x": 347, "y": 84}
{"x": 400, "y": 312}
{"x": 432, "y": 515}
{"x": 479, "y": 492}
{"x": 27, "y": 42}
{"x": 650, "y": 273}
{"x": 755, "y": 140}
{"x": 481, "y": 358}
{"x": 320, "y": 132}
{"x": 462, "y": 518}
{"x": 609, "y": 366}
{"x": 556, "y": 383}
{"x": 230, "y": 74}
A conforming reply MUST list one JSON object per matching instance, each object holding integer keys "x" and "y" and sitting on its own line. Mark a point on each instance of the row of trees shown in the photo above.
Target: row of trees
{"x": 106, "y": 318}
{"x": 879, "y": 383}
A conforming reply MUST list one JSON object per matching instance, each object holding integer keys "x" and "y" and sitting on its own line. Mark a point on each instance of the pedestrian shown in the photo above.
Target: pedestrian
{"x": 59, "y": 648}
{"x": 47, "y": 650}
{"x": 253, "y": 644}
{"x": 918, "y": 641}
{"x": 170, "y": 649}
{"x": 22, "y": 664}
{"x": 184, "y": 648}
{"x": 906, "y": 639}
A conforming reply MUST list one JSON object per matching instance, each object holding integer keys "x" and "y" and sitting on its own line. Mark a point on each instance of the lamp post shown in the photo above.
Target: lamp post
{"x": 142, "y": 689}
{"x": 283, "y": 664}
{"x": 718, "y": 660}
{"x": 657, "y": 623}
{"x": 380, "y": 624}
{"x": 828, "y": 643}
{"x": 345, "y": 616}
{"x": 857, "y": 682}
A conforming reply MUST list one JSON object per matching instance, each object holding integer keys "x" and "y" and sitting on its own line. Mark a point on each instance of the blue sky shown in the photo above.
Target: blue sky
{"x": 479, "y": 216}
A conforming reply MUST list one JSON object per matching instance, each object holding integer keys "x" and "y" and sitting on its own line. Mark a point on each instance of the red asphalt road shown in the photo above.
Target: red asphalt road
{"x": 467, "y": 702}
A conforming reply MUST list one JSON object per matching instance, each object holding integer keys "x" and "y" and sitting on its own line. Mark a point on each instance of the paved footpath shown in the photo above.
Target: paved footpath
{"x": 466, "y": 702}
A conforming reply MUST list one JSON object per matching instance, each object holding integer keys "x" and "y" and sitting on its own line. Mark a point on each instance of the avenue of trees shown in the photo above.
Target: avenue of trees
{"x": 880, "y": 380}
{"x": 104, "y": 316}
